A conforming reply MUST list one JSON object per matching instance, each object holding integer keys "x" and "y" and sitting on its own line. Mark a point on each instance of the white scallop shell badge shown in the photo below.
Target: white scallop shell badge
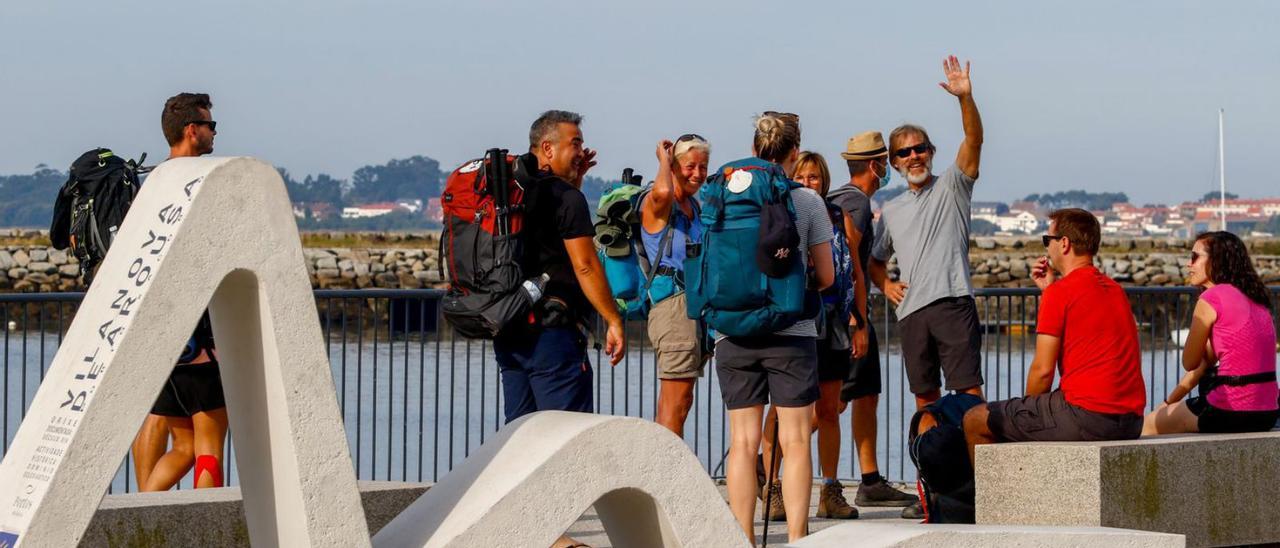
{"x": 739, "y": 181}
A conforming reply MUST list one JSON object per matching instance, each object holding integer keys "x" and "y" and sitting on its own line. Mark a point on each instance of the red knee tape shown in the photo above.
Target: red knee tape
{"x": 209, "y": 463}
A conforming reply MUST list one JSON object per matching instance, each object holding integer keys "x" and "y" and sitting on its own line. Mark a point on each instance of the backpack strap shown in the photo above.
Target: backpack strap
{"x": 650, "y": 268}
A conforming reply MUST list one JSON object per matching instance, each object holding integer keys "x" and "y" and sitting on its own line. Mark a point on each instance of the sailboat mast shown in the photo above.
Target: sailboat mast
{"x": 1222, "y": 174}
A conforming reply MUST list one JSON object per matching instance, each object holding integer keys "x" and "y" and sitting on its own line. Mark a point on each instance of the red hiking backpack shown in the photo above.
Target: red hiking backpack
{"x": 481, "y": 245}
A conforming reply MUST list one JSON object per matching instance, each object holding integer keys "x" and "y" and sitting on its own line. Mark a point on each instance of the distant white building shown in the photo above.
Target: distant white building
{"x": 369, "y": 210}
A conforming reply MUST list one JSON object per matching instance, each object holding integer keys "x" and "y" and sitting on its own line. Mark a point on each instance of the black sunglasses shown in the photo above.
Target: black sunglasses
{"x": 689, "y": 137}
{"x": 1048, "y": 238}
{"x": 213, "y": 126}
{"x": 1195, "y": 256}
{"x": 918, "y": 149}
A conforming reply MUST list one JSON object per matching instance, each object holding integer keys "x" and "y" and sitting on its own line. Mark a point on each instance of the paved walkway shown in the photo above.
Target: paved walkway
{"x": 588, "y": 529}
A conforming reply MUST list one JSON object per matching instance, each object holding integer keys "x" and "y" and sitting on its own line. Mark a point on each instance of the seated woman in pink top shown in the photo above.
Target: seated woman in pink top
{"x": 1231, "y": 351}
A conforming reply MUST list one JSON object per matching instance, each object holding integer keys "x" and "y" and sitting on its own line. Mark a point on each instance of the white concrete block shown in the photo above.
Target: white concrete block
{"x": 919, "y": 535}
{"x": 527, "y": 485}
{"x": 201, "y": 228}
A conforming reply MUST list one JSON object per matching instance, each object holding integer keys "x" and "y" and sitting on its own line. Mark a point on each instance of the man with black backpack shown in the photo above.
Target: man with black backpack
{"x": 191, "y": 406}
{"x": 543, "y": 359}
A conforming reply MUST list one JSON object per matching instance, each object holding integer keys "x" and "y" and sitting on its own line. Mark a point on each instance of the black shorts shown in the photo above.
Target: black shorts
{"x": 759, "y": 370}
{"x": 1213, "y": 420}
{"x": 190, "y": 389}
{"x": 942, "y": 339}
{"x": 1049, "y": 417}
{"x": 864, "y": 372}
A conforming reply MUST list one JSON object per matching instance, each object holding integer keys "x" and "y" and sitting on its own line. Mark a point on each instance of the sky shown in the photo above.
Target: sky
{"x": 1094, "y": 95}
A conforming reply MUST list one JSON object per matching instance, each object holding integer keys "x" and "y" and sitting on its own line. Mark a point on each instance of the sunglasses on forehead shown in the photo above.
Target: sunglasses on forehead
{"x": 689, "y": 137}
{"x": 793, "y": 116}
{"x": 918, "y": 149}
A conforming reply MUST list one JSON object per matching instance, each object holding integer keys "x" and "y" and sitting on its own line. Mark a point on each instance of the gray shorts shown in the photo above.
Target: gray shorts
{"x": 942, "y": 339}
{"x": 774, "y": 368}
{"x": 1049, "y": 417}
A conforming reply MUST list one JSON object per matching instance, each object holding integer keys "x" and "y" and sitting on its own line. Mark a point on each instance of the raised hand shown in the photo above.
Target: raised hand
{"x": 665, "y": 148}
{"x": 1042, "y": 273}
{"x": 957, "y": 80}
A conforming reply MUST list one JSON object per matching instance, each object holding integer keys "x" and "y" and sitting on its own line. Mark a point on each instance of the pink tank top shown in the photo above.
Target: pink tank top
{"x": 1244, "y": 339}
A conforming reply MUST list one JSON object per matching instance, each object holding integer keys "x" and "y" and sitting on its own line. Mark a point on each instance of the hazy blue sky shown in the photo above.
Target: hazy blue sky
{"x": 1103, "y": 96}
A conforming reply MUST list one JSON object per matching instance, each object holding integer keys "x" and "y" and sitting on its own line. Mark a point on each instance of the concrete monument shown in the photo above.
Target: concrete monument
{"x": 528, "y": 484}
{"x": 203, "y": 230}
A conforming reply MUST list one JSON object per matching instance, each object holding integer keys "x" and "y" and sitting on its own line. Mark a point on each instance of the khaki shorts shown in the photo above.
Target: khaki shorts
{"x": 675, "y": 340}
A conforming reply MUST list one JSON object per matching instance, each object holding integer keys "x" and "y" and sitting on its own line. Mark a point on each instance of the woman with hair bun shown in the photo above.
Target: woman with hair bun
{"x": 779, "y": 368}
{"x": 1231, "y": 350}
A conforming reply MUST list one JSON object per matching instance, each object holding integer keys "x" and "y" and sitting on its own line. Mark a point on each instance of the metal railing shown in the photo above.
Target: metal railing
{"x": 416, "y": 400}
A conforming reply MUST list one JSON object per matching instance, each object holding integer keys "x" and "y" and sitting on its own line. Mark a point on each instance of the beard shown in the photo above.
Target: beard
{"x": 919, "y": 178}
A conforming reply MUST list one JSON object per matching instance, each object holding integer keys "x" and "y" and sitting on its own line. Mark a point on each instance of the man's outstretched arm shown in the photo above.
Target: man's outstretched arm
{"x": 967, "y": 159}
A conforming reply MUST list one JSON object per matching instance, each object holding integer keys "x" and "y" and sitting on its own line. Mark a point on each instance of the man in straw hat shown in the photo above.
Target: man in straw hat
{"x": 927, "y": 228}
{"x": 868, "y": 161}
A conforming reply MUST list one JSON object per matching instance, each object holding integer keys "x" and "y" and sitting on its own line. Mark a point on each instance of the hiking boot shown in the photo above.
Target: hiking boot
{"x": 832, "y": 504}
{"x": 915, "y": 511}
{"x": 776, "y": 511}
{"x": 882, "y": 494}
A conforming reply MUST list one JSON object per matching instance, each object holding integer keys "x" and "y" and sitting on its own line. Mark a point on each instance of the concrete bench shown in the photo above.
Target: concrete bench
{"x": 1216, "y": 489}
{"x": 214, "y": 517}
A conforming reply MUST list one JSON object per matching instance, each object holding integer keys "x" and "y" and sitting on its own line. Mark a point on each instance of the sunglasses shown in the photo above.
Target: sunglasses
{"x": 918, "y": 149}
{"x": 689, "y": 137}
{"x": 1195, "y": 256}
{"x": 212, "y": 125}
{"x": 790, "y": 115}
{"x": 1045, "y": 239}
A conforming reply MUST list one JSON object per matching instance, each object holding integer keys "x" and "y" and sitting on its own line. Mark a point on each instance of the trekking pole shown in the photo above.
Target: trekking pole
{"x": 493, "y": 173}
{"x": 768, "y": 485}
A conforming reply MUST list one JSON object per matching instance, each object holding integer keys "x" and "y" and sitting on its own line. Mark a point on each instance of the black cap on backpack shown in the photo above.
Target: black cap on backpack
{"x": 779, "y": 245}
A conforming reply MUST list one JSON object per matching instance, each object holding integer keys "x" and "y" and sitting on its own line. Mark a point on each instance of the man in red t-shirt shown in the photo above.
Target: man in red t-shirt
{"x": 1086, "y": 331}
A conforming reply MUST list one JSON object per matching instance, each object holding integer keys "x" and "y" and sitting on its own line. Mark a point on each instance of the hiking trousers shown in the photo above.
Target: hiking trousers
{"x": 544, "y": 370}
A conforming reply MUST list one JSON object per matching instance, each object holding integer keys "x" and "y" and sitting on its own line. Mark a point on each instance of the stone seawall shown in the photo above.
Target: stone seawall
{"x": 994, "y": 262}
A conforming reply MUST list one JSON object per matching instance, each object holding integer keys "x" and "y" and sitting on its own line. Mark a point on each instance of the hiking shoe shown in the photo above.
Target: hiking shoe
{"x": 882, "y": 494}
{"x": 776, "y": 511}
{"x": 832, "y": 504}
{"x": 915, "y": 511}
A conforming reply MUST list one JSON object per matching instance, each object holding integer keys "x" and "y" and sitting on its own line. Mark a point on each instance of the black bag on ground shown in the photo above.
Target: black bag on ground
{"x": 946, "y": 479}
{"x": 92, "y": 205}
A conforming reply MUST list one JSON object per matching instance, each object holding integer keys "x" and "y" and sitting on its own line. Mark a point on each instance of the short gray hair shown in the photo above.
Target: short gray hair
{"x": 547, "y": 124}
{"x": 689, "y": 144}
{"x": 901, "y": 132}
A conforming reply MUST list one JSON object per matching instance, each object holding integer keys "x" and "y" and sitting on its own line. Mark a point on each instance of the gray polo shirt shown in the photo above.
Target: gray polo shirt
{"x": 928, "y": 231}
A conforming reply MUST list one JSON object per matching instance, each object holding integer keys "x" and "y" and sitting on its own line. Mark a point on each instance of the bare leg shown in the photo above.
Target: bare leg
{"x": 675, "y": 399}
{"x": 766, "y": 446}
{"x": 795, "y": 435}
{"x": 174, "y": 464}
{"x": 1170, "y": 419}
{"x": 864, "y": 432}
{"x": 740, "y": 468}
{"x": 976, "y": 430}
{"x": 927, "y": 398}
{"x": 210, "y": 434}
{"x": 150, "y": 444}
{"x": 828, "y": 413}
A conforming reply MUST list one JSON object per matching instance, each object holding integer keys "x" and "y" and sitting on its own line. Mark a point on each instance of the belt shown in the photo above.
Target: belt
{"x": 666, "y": 270}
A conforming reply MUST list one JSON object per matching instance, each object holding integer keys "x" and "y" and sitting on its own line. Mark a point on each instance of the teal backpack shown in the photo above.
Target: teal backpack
{"x": 723, "y": 283}
{"x": 626, "y": 265}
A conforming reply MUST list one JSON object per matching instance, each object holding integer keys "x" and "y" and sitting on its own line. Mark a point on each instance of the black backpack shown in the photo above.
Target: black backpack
{"x": 946, "y": 479}
{"x": 92, "y": 205}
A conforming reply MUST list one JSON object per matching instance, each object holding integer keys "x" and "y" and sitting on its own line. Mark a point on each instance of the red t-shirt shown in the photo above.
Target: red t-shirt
{"x": 1099, "y": 361}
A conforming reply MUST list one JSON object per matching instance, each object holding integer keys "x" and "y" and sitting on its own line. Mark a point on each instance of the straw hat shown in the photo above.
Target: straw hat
{"x": 867, "y": 145}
